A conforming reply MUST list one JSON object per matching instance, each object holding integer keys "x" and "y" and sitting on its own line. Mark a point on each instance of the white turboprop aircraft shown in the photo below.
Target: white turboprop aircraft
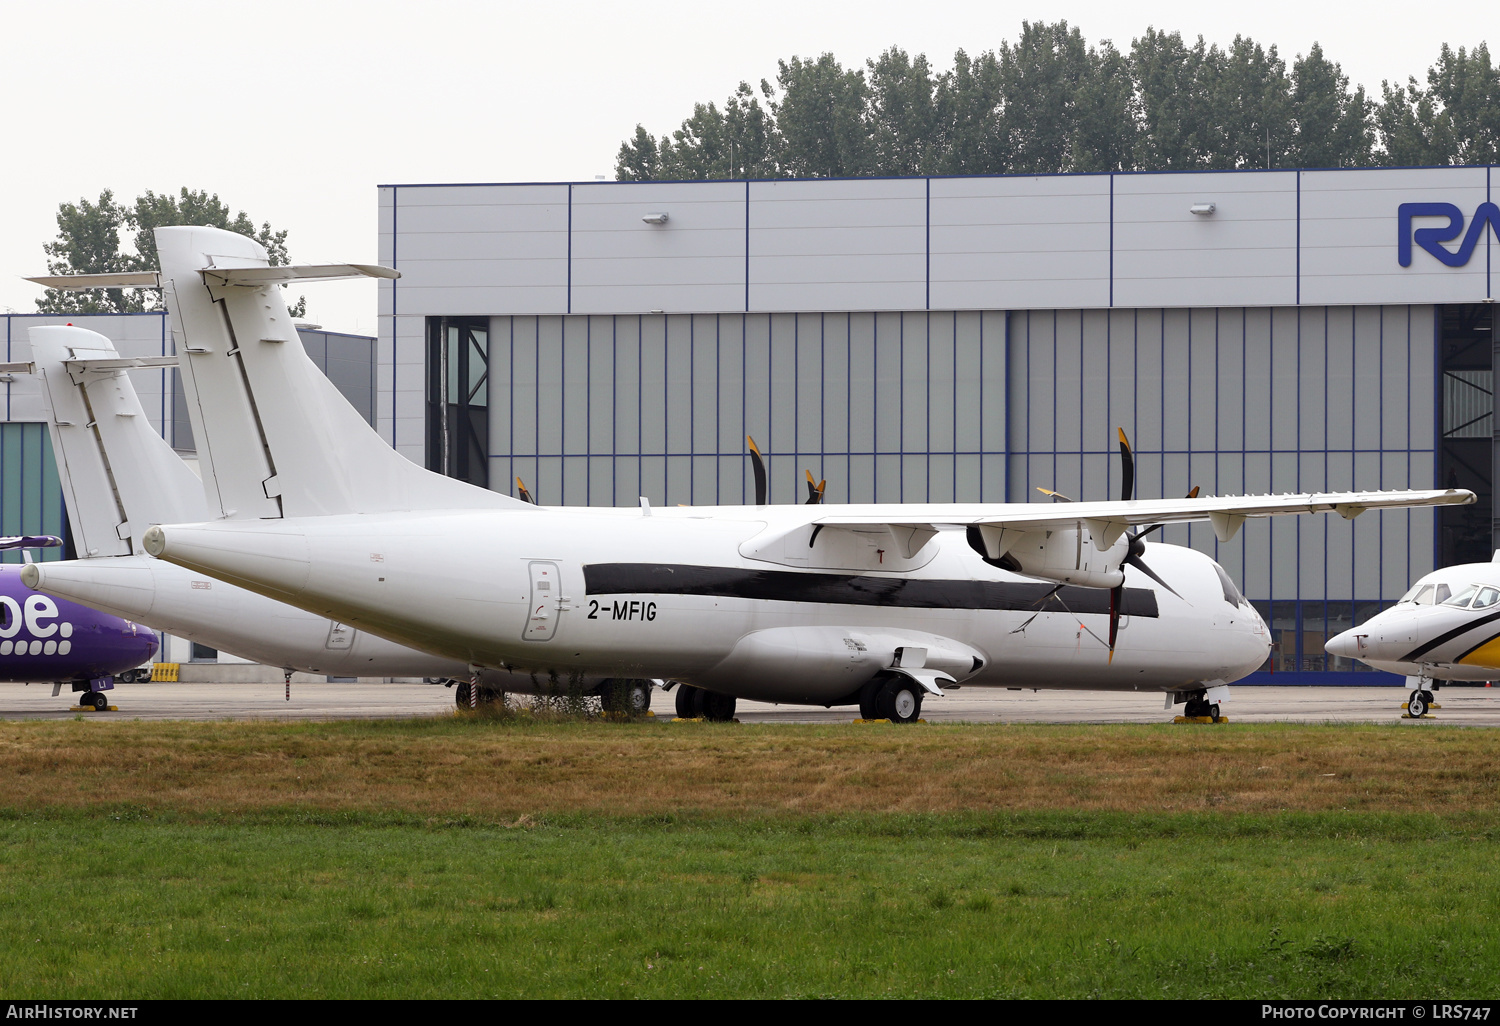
{"x": 1447, "y": 627}
{"x": 875, "y": 605}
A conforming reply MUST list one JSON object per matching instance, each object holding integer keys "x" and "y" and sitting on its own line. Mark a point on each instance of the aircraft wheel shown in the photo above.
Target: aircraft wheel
{"x": 1417, "y": 704}
{"x": 99, "y": 700}
{"x": 621, "y": 695}
{"x": 717, "y": 708}
{"x": 689, "y": 702}
{"x": 461, "y": 695}
{"x": 900, "y": 701}
{"x": 1213, "y": 711}
{"x": 869, "y": 698}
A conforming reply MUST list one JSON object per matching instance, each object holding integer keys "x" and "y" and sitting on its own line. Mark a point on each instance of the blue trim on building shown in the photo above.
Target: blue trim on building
{"x": 1322, "y": 678}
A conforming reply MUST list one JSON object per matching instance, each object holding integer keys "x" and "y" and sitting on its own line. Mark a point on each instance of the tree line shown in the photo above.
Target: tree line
{"x": 1050, "y": 102}
{"x": 88, "y": 242}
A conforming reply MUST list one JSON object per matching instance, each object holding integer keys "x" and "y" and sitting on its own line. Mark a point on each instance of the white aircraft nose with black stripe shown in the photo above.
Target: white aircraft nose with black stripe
{"x": 1447, "y": 627}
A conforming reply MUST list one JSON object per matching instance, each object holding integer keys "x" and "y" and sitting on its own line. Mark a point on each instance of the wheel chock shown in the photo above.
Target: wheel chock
{"x": 1424, "y": 716}
{"x": 919, "y": 720}
{"x": 1199, "y": 719}
{"x": 89, "y": 708}
{"x": 686, "y": 719}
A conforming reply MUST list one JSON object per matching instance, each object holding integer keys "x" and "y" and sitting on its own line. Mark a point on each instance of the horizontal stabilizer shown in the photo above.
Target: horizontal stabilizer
{"x": 123, "y": 363}
{"x": 255, "y": 277}
{"x": 114, "y": 280}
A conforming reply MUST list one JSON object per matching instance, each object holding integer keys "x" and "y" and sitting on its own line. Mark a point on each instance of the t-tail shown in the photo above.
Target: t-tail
{"x": 276, "y": 436}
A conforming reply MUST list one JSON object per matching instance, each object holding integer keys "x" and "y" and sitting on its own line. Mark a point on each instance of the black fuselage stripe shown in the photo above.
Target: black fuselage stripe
{"x": 855, "y": 589}
{"x": 1447, "y": 636}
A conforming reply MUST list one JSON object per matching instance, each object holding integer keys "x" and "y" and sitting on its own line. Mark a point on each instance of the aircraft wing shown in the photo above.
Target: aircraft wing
{"x": 1107, "y": 520}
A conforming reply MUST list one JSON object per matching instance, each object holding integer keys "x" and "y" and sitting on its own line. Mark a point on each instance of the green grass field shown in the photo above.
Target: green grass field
{"x": 207, "y": 878}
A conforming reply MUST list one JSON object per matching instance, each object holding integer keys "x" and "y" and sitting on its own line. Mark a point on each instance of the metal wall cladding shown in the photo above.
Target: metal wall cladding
{"x": 1095, "y": 241}
{"x": 475, "y": 248}
{"x": 1239, "y": 400}
{"x": 842, "y": 245}
{"x": 1020, "y": 243}
{"x": 623, "y": 264}
{"x": 902, "y": 407}
{"x": 1244, "y": 253}
{"x": 968, "y": 406}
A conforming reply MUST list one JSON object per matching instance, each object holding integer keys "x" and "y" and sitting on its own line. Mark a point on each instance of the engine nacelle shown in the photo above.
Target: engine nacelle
{"x": 1068, "y": 555}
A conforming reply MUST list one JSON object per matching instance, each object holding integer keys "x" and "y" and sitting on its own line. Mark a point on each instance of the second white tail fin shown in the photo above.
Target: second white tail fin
{"x": 118, "y": 475}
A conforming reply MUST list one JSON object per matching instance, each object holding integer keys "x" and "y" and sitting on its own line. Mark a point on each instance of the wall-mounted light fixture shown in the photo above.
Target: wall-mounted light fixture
{"x": 658, "y": 218}
{"x": 1202, "y": 209}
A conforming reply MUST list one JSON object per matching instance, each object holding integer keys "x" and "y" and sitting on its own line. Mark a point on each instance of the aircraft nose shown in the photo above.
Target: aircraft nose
{"x": 1348, "y": 644}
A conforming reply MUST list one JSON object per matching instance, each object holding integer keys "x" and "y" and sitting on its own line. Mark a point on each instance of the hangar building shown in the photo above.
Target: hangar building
{"x": 938, "y": 339}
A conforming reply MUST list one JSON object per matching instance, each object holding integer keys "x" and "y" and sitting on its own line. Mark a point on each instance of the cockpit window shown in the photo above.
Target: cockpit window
{"x": 1487, "y": 597}
{"x": 1462, "y": 598}
{"x": 1231, "y": 593}
{"x": 1420, "y": 595}
{"x": 1443, "y": 591}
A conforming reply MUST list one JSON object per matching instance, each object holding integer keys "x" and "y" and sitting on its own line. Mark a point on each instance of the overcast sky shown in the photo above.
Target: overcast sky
{"x": 295, "y": 111}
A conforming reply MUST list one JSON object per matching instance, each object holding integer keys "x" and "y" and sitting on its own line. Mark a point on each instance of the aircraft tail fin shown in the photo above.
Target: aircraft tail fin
{"x": 275, "y": 437}
{"x": 118, "y": 475}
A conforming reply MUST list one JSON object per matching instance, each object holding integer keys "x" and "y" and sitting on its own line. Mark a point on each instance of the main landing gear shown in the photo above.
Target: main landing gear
{"x": 891, "y": 696}
{"x": 694, "y": 703}
{"x": 1199, "y": 709}
{"x": 470, "y": 696}
{"x": 625, "y": 697}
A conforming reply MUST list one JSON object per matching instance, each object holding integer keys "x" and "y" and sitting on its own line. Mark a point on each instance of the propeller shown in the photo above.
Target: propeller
{"x": 758, "y": 462}
{"x": 1137, "y": 546}
{"x": 523, "y": 494}
{"x": 814, "y": 491}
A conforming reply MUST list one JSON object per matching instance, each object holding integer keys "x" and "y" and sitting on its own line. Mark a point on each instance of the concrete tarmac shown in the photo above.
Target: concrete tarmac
{"x": 320, "y": 701}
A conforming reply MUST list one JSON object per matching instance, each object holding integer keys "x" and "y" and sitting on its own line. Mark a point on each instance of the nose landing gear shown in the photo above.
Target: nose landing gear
{"x": 1199, "y": 708}
{"x": 1420, "y": 702}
